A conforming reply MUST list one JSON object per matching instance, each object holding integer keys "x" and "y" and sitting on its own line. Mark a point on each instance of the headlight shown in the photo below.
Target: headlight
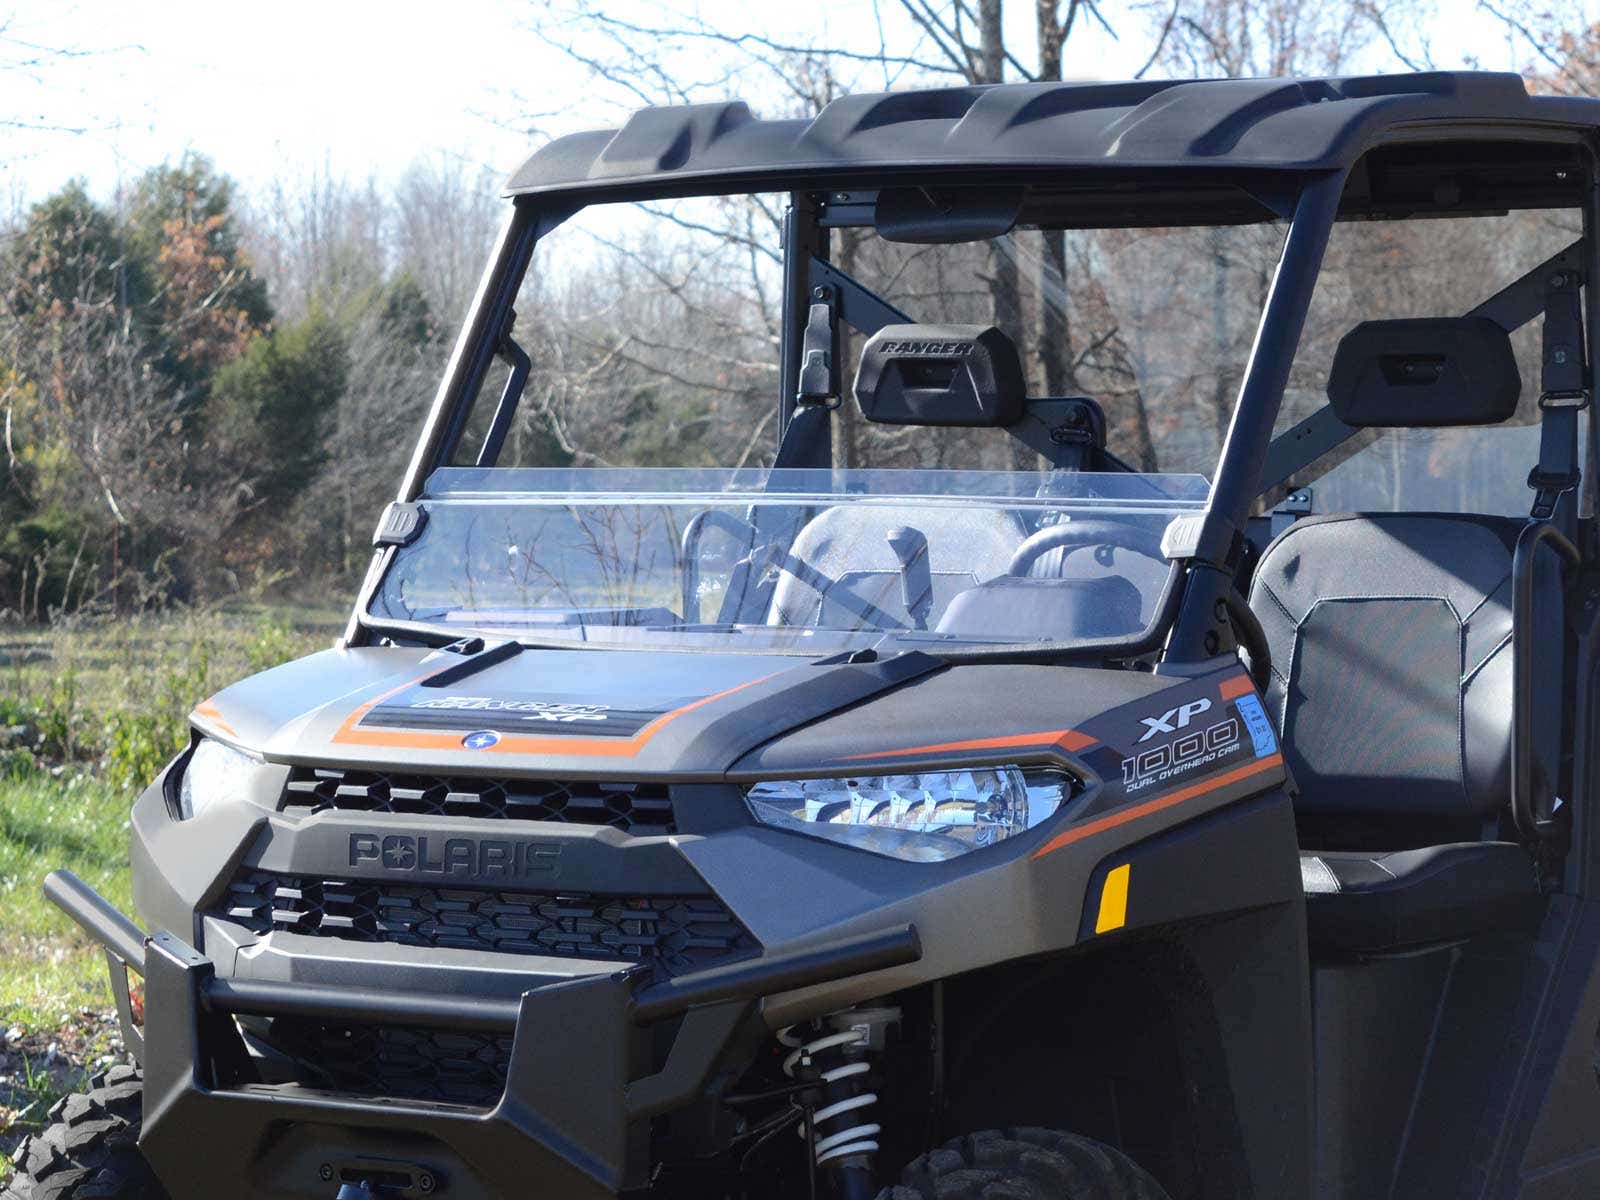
{"x": 919, "y": 818}
{"x": 215, "y": 771}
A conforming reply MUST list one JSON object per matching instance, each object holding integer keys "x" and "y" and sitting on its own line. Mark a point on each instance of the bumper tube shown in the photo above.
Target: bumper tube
{"x": 97, "y": 917}
{"x": 546, "y": 1136}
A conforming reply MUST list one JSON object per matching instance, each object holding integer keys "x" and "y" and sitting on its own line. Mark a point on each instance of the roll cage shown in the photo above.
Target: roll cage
{"x": 1310, "y": 151}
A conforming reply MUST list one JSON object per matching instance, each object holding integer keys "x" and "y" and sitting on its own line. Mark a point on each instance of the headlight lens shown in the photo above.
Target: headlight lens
{"x": 214, "y": 772}
{"x": 919, "y": 818}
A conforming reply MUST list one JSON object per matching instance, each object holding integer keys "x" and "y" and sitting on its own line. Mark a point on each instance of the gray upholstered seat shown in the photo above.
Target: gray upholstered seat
{"x": 1392, "y": 687}
{"x": 1391, "y": 649}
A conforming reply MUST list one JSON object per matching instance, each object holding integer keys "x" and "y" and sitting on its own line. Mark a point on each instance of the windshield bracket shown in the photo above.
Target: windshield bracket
{"x": 515, "y": 357}
{"x": 859, "y": 306}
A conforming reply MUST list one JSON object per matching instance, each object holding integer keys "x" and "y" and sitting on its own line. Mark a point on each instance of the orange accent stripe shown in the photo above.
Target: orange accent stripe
{"x": 1065, "y": 739}
{"x": 1239, "y": 685}
{"x": 348, "y": 734}
{"x": 211, "y": 715}
{"x": 1159, "y": 804}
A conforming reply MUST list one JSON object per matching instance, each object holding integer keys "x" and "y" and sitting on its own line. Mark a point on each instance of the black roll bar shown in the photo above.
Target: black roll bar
{"x": 1533, "y": 813}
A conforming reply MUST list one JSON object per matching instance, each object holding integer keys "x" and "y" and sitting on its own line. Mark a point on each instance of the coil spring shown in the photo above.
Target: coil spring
{"x": 831, "y": 1054}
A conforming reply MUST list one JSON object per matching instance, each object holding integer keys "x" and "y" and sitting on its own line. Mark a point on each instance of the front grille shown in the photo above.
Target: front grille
{"x": 675, "y": 934}
{"x": 637, "y": 808}
{"x": 398, "y": 1061}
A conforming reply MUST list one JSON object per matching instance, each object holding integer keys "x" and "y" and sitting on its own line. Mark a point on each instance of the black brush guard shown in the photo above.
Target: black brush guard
{"x": 566, "y": 1127}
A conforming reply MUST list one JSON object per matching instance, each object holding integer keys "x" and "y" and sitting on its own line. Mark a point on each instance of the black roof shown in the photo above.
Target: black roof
{"x": 1254, "y": 124}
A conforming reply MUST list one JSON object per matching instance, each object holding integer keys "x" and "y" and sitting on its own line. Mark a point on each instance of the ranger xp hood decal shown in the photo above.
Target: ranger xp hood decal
{"x": 404, "y": 719}
{"x": 423, "y": 708}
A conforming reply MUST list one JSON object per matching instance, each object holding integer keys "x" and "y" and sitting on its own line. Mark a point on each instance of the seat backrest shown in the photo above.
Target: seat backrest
{"x": 1391, "y": 647}
{"x": 842, "y": 559}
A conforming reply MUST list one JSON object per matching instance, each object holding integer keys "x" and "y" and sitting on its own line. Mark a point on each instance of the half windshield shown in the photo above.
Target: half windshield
{"x": 805, "y": 562}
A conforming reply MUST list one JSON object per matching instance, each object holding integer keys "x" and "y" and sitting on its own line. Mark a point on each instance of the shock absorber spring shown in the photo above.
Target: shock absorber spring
{"x": 836, "y": 1053}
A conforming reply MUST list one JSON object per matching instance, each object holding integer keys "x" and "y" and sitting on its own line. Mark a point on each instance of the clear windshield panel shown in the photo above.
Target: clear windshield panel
{"x": 653, "y": 329}
{"x": 787, "y": 561}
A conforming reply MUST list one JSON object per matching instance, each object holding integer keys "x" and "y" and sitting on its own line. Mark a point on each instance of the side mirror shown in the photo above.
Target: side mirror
{"x": 941, "y": 375}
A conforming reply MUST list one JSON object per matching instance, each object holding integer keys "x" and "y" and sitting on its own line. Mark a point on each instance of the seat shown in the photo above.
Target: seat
{"x": 1392, "y": 680}
{"x": 841, "y": 570}
{"x": 1375, "y": 900}
{"x": 1391, "y": 646}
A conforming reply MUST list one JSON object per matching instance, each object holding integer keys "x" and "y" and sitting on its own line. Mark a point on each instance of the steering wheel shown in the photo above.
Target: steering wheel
{"x": 1093, "y": 532}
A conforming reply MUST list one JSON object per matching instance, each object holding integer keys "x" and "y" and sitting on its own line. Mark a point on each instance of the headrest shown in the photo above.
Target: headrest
{"x": 1424, "y": 372}
{"x": 940, "y": 375}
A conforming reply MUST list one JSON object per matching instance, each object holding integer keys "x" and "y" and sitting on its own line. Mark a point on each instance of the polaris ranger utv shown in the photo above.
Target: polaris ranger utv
{"x": 1095, "y": 813}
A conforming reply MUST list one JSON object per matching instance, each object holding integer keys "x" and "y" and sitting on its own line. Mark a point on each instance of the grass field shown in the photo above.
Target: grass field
{"x": 87, "y": 716}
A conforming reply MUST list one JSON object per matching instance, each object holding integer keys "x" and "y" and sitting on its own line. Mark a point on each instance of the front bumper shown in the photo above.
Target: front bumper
{"x": 585, "y": 1073}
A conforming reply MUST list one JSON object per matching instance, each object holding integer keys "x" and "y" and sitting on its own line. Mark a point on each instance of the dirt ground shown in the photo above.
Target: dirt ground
{"x": 38, "y": 1066}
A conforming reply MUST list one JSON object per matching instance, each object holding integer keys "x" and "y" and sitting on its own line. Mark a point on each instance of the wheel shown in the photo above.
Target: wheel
{"x": 1024, "y": 1164}
{"x": 89, "y": 1150}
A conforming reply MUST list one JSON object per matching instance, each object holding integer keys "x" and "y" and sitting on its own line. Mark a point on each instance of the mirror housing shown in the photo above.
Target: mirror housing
{"x": 940, "y": 216}
{"x": 961, "y": 375}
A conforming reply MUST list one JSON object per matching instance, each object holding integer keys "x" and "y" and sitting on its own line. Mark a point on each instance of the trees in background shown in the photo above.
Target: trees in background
{"x": 202, "y": 391}
{"x": 112, "y": 326}
{"x": 200, "y": 395}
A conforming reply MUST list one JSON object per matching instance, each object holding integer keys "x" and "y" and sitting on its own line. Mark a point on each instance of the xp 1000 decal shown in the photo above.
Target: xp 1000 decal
{"x": 1188, "y": 750}
{"x": 1196, "y": 734}
{"x": 1214, "y": 738}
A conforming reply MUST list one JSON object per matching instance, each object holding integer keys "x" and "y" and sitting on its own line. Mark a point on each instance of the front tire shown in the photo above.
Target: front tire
{"x": 89, "y": 1151}
{"x": 1024, "y": 1164}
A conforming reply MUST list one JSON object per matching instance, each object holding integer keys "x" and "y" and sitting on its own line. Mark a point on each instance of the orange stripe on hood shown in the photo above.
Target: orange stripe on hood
{"x": 1160, "y": 804}
{"x": 1062, "y": 739}
{"x": 207, "y": 712}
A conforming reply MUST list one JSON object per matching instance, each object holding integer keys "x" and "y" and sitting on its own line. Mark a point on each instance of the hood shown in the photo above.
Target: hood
{"x": 624, "y": 714}
{"x": 610, "y": 712}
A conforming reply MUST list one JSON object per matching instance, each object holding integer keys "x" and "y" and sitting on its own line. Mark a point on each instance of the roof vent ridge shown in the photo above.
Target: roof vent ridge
{"x": 850, "y": 115}
{"x": 1001, "y": 110}
{"x": 680, "y": 132}
{"x": 1276, "y": 96}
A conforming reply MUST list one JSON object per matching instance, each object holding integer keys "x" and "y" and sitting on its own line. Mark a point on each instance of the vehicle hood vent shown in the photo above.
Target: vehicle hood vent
{"x": 640, "y": 809}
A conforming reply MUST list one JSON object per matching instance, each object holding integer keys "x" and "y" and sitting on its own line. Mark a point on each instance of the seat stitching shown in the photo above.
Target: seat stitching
{"x": 1282, "y": 607}
{"x": 1488, "y": 596}
{"x": 1482, "y": 662}
{"x": 1347, "y": 597}
{"x": 1461, "y": 724}
{"x": 1461, "y": 653}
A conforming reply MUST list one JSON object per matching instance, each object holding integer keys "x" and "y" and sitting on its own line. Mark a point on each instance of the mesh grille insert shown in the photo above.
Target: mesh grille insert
{"x": 398, "y": 1061}
{"x": 675, "y": 934}
{"x": 637, "y": 808}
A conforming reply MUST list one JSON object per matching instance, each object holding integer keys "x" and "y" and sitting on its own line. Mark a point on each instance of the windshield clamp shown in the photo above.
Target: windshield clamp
{"x": 400, "y": 524}
{"x": 1204, "y": 537}
{"x": 819, "y": 356}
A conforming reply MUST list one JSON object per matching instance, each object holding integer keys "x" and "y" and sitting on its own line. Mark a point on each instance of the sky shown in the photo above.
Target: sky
{"x": 358, "y": 89}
